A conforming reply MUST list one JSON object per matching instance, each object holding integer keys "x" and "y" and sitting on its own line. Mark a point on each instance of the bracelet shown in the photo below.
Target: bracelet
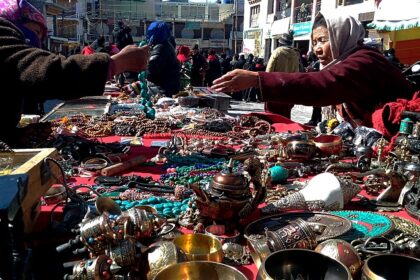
{"x": 94, "y": 164}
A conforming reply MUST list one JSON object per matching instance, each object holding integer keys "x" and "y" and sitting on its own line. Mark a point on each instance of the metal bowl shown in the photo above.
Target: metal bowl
{"x": 302, "y": 264}
{"x": 391, "y": 267}
{"x": 200, "y": 247}
{"x": 328, "y": 144}
{"x": 300, "y": 150}
{"x": 200, "y": 270}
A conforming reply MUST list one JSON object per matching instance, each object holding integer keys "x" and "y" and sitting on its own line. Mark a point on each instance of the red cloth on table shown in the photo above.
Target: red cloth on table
{"x": 386, "y": 120}
{"x": 280, "y": 123}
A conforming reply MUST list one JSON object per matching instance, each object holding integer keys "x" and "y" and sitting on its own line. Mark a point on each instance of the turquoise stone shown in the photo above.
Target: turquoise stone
{"x": 184, "y": 208}
{"x": 152, "y": 200}
{"x": 158, "y": 207}
{"x": 167, "y": 205}
{"x": 278, "y": 174}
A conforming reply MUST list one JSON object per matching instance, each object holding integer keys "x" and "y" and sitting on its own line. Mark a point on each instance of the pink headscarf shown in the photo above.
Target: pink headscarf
{"x": 20, "y": 12}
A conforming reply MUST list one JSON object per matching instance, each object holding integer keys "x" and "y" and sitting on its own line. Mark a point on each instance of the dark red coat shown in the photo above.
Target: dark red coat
{"x": 364, "y": 81}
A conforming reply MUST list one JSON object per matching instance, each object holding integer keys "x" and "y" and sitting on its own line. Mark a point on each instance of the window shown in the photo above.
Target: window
{"x": 349, "y": 2}
{"x": 255, "y": 14}
{"x": 270, "y": 6}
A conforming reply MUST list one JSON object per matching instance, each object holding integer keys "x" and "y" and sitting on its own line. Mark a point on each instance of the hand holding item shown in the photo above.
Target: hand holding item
{"x": 236, "y": 80}
{"x": 131, "y": 58}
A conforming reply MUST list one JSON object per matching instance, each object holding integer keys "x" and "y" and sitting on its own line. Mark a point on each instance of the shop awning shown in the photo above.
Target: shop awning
{"x": 280, "y": 26}
{"x": 396, "y": 15}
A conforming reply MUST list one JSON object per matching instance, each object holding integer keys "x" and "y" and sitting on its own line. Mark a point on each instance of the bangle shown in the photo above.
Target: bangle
{"x": 94, "y": 164}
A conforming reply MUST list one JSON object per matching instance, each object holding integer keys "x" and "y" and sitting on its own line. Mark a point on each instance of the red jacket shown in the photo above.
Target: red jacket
{"x": 364, "y": 81}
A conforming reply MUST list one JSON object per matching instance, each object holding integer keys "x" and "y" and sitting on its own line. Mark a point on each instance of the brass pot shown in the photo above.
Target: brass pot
{"x": 200, "y": 270}
{"x": 328, "y": 144}
{"x": 300, "y": 150}
{"x": 301, "y": 264}
{"x": 391, "y": 267}
{"x": 200, "y": 247}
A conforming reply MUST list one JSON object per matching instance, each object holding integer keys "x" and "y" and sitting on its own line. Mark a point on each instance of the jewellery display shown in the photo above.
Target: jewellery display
{"x": 206, "y": 176}
{"x": 365, "y": 224}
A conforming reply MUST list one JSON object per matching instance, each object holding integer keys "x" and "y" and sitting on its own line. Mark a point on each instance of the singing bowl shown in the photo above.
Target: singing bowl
{"x": 302, "y": 264}
{"x": 199, "y": 270}
{"x": 200, "y": 247}
{"x": 391, "y": 267}
{"x": 161, "y": 255}
{"x": 300, "y": 150}
{"x": 328, "y": 144}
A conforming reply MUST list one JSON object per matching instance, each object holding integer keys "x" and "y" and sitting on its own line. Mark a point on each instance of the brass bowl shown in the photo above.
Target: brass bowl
{"x": 301, "y": 264}
{"x": 200, "y": 270}
{"x": 300, "y": 150}
{"x": 328, "y": 144}
{"x": 200, "y": 247}
{"x": 391, "y": 267}
{"x": 161, "y": 255}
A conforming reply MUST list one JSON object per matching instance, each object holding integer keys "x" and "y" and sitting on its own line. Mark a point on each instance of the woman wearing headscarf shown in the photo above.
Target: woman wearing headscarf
{"x": 354, "y": 78}
{"x": 33, "y": 72}
{"x": 164, "y": 67}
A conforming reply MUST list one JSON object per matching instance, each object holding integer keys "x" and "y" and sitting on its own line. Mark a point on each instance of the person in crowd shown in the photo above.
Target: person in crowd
{"x": 234, "y": 60}
{"x": 87, "y": 49}
{"x": 313, "y": 63}
{"x": 214, "y": 69}
{"x": 199, "y": 66}
{"x": 122, "y": 35}
{"x": 357, "y": 80}
{"x": 35, "y": 72}
{"x": 183, "y": 54}
{"x": 240, "y": 62}
{"x": 99, "y": 45}
{"x": 391, "y": 57}
{"x": 164, "y": 67}
{"x": 225, "y": 63}
{"x": 285, "y": 59}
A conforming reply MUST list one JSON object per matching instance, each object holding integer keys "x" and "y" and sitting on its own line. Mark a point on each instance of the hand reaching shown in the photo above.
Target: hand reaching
{"x": 236, "y": 80}
{"x": 131, "y": 58}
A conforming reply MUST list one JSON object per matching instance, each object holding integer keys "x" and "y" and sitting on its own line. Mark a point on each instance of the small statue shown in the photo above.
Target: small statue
{"x": 187, "y": 218}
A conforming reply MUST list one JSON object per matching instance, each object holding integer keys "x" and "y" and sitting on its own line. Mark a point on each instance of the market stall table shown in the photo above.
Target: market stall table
{"x": 155, "y": 171}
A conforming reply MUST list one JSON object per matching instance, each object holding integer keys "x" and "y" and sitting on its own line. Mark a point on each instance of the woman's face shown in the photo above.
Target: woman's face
{"x": 36, "y": 28}
{"x": 321, "y": 45}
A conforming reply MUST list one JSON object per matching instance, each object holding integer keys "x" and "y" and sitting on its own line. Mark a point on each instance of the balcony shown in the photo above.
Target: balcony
{"x": 303, "y": 13}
